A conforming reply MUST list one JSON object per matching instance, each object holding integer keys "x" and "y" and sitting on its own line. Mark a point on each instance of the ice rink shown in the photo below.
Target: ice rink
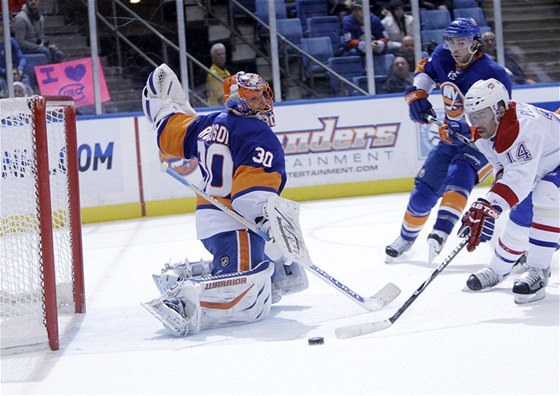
{"x": 448, "y": 342}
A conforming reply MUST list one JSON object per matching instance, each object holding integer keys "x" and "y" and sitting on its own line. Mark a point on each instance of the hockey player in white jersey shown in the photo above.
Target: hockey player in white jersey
{"x": 522, "y": 142}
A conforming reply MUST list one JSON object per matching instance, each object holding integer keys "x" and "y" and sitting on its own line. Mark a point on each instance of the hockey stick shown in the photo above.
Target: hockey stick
{"x": 374, "y": 303}
{"x": 372, "y": 327}
{"x": 454, "y": 134}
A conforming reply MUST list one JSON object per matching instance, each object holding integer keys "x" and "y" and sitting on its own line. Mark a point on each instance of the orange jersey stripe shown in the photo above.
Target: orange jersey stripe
{"x": 420, "y": 66}
{"x": 454, "y": 200}
{"x": 484, "y": 172}
{"x": 247, "y": 177}
{"x": 414, "y": 222}
{"x": 225, "y": 305}
{"x": 243, "y": 251}
{"x": 171, "y": 140}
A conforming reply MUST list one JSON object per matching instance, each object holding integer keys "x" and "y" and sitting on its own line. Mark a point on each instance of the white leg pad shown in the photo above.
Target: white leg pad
{"x": 288, "y": 280}
{"x": 242, "y": 297}
{"x": 172, "y": 273}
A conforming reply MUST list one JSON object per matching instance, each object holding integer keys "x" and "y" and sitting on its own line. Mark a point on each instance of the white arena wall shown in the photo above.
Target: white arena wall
{"x": 334, "y": 148}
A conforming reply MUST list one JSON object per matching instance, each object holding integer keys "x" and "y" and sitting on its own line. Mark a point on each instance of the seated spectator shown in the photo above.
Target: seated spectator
{"x": 215, "y": 87}
{"x": 29, "y": 30}
{"x": 397, "y": 25}
{"x": 407, "y": 51}
{"x": 353, "y": 32}
{"x": 18, "y": 65}
{"x": 399, "y": 78}
{"x": 516, "y": 74}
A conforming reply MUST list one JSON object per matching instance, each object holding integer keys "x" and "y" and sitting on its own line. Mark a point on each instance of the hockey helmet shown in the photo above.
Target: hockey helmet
{"x": 249, "y": 95}
{"x": 482, "y": 95}
{"x": 462, "y": 27}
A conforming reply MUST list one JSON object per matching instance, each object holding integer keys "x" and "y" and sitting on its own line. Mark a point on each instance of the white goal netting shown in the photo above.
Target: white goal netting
{"x": 35, "y": 221}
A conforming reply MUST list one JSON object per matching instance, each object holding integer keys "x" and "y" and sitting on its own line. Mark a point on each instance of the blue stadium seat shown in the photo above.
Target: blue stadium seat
{"x": 348, "y": 67}
{"x": 432, "y": 35}
{"x": 325, "y": 26}
{"x": 319, "y": 48}
{"x": 361, "y": 82}
{"x": 236, "y": 11}
{"x": 434, "y": 19}
{"x": 310, "y": 8}
{"x": 291, "y": 29}
{"x": 261, "y": 10}
{"x": 474, "y": 12}
{"x": 464, "y": 4}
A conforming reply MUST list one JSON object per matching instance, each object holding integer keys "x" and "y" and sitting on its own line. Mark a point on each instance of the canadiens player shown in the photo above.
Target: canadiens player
{"x": 242, "y": 164}
{"x": 522, "y": 142}
{"x": 452, "y": 168}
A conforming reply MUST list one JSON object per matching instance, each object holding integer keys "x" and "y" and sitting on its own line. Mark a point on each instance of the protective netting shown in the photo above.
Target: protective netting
{"x": 22, "y": 304}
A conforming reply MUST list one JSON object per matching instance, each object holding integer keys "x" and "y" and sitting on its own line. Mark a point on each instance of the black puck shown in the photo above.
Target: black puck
{"x": 316, "y": 341}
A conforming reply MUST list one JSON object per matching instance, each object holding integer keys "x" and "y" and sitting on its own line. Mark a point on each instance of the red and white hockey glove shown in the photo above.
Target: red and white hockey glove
{"x": 478, "y": 223}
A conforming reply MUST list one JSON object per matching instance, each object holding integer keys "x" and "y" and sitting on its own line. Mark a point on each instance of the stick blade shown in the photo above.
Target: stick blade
{"x": 383, "y": 297}
{"x": 361, "y": 329}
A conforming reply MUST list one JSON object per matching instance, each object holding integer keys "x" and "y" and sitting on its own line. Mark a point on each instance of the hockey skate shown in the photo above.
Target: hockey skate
{"x": 531, "y": 285}
{"x": 436, "y": 242}
{"x": 171, "y": 313}
{"x": 484, "y": 279}
{"x": 398, "y": 247}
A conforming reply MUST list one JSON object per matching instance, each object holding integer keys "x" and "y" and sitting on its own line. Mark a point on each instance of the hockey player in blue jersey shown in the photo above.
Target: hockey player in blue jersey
{"x": 452, "y": 168}
{"x": 242, "y": 165}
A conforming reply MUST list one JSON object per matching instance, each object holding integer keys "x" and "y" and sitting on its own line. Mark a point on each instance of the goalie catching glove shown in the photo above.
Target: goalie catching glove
{"x": 163, "y": 95}
{"x": 280, "y": 221}
{"x": 478, "y": 223}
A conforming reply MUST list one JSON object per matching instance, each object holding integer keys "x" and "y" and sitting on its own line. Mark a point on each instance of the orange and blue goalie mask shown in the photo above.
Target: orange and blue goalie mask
{"x": 248, "y": 94}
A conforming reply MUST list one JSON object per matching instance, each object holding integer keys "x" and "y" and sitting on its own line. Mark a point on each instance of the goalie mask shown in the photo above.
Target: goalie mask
{"x": 249, "y": 95}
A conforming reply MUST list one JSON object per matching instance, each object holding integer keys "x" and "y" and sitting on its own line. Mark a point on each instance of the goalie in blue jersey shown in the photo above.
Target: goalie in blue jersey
{"x": 452, "y": 168}
{"x": 243, "y": 167}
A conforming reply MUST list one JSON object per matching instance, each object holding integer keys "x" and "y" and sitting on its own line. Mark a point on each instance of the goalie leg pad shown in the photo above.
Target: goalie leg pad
{"x": 178, "y": 309}
{"x": 242, "y": 297}
{"x": 288, "y": 280}
{"x": 172, "y": 273}
{"x": 285, "y": 230}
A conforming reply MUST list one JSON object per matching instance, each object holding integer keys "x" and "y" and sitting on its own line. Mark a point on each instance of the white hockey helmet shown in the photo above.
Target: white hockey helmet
{"x": 486, "y": 93}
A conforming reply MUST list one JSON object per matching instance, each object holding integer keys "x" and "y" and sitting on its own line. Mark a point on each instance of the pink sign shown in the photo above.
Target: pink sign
{"x": 74, "y": 78}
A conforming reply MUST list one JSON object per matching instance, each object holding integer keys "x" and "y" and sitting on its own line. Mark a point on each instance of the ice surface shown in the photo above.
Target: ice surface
{"x": 447, "y": 342}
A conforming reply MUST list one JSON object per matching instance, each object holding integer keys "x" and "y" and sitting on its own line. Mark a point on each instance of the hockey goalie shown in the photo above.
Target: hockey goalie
{"x": 243, "y": 167}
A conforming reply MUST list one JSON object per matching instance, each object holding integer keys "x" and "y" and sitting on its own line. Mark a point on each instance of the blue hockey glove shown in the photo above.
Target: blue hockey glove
{"x": 418, "y": 104}
{"x": 478, "y": 223}
{"x": 451, "y": 132}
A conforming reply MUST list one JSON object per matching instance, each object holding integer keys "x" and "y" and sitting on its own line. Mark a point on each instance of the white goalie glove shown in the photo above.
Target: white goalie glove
{"x": 164, "y": 95}
{"x": 281, "y": 222}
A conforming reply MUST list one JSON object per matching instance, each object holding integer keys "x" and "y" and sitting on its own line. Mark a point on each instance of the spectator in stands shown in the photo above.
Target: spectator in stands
{"x": 215, "y": 87}
{"x": 399, "y": 78}
{"x": 18, "y": 65}
{"x": 516, "y": 74}
{"x": 397, "y": 25}
{"x": 407, "y": 51}
{"x": 353, "y": 33}
{"x": 29, "y": 29}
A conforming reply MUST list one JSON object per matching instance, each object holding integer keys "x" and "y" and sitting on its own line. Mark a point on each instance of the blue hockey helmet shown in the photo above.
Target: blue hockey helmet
{"x": 462, "y": 27}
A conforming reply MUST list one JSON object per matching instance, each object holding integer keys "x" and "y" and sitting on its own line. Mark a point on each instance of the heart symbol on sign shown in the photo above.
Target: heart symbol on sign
{"x": 75, "y": 73}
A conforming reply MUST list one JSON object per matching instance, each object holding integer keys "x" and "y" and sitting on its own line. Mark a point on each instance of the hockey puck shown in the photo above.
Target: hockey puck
{"x": 316, "y": 341}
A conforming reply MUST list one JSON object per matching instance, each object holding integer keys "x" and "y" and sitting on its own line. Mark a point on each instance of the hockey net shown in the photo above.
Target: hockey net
{"x": 40, "y": 229}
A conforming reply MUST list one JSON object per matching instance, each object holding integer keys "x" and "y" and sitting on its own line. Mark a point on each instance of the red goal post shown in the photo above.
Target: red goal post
{"x": 41, "y": 260}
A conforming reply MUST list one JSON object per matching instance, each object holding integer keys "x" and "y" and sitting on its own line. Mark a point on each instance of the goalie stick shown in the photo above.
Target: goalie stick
{"x": 372, "y": 327}
{"x": 454, "y": 134}
{"x": 379, "y": 300}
